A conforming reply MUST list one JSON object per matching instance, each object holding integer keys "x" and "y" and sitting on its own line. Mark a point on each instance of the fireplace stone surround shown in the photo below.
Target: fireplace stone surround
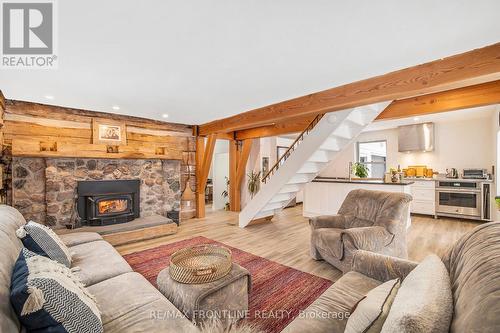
{"x": 44, "y": 189}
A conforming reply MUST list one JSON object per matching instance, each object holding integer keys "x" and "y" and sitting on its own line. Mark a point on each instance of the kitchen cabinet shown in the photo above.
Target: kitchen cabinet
{"x": 424, "y": 197}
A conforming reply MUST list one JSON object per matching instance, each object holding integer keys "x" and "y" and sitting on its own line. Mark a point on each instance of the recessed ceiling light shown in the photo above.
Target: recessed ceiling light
{"x": 49, "y": 97}
{"x": 164, "y": 115}
{"x": 115, "y": 107}
{"x": 416, "y": 119}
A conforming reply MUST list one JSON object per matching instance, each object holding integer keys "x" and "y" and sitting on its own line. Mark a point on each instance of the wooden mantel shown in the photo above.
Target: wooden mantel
{"x": 462, "y": 70}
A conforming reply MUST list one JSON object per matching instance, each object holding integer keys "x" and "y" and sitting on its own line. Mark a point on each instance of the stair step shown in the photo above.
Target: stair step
{"x": 362, "y": 117}
{"x": 311, "y": 167}
{"x": 320, "y": 156}
{"x": 290, "y": 188}
{"x": 283, "y": 197}
{"x": 301, "y": 178}
{"x": 331, "y": 144}
{"x": 343, "y": 131}
{"x": 355, "y": 127}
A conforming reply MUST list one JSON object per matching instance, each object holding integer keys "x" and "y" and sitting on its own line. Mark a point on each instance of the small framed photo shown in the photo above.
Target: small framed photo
{"x": 108, "y": 132}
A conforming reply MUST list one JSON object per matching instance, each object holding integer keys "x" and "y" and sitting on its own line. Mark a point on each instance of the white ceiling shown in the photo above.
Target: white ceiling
{"x": 202, "y": 60}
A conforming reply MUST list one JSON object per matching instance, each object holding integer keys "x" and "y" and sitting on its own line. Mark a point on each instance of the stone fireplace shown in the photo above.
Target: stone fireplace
{"x": 45, "y": 189}
{"x": 103, "y": 202}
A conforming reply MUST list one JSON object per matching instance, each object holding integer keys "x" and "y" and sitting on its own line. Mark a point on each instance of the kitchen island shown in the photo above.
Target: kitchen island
{"x": 325, "y": 195}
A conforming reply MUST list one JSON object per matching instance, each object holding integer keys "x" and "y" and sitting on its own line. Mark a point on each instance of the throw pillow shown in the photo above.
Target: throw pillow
{"x": 372, "y": 310}
{"x": 45, "y": 242}
{"x": 47, "y": 297}
{"x": 424, "y": 302}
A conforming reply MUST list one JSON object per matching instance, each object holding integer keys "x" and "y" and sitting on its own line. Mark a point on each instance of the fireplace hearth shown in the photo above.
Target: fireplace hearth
{"x": 106, "y": 202}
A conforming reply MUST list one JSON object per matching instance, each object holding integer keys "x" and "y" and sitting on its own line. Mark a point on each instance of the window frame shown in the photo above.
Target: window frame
{"x": 371, "y": 163}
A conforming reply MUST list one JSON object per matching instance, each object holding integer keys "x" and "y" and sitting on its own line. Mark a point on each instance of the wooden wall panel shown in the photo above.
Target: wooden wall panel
{"x": 85, "y": 116}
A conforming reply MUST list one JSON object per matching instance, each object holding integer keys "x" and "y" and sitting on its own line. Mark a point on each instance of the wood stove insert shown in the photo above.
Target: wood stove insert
{"x": 106, "y": 202}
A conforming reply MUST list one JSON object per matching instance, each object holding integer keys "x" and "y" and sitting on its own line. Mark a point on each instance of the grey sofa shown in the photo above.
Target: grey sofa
{"x": 473, "y": 264}
{"x": 128, "y": 302}
{"x": 367, "y": 220}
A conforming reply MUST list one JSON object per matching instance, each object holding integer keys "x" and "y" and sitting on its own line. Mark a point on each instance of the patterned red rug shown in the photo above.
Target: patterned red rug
{"x": 278, "y": 292}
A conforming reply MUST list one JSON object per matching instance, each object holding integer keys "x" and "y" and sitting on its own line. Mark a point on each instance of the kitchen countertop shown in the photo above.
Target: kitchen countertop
{"x": 357, "y": 181}
{"x": 444, "y": 179}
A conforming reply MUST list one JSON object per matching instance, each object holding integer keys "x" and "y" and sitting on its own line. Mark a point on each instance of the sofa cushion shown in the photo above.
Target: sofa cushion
{"x": 77, "y": 238}
{"x": 130, "y": 303}
{"x": 474, "y": 266}
{"x": 47, "y": 297}
{"x": 372, "y": 311}
{"x": 424, "y": 302}
{"x": 329, "y": 313}
{"x": 43, "y": 241}
{"x": 10, "y": 246}
{"x": 97, "y": 261}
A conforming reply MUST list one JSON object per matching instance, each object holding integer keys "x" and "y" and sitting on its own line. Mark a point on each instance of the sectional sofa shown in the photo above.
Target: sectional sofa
{"x": 129, "y": 303}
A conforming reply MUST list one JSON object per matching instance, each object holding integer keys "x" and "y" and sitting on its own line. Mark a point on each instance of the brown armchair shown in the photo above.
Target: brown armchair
{"x": 368, "y": 220}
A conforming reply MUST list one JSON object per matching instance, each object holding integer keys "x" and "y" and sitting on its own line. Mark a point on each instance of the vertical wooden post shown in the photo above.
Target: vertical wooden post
{"x": 204, "y": 154}
{"x": 238, "y": 157}
{"x": 200, "y": 195}
{"x": 233, "y": 166}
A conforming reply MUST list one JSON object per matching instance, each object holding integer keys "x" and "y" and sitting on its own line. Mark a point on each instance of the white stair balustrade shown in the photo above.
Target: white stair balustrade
{"x": 315, "y": 148}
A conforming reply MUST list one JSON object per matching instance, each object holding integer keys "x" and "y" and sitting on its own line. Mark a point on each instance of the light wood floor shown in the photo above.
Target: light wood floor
{"x": 286, "y": 238}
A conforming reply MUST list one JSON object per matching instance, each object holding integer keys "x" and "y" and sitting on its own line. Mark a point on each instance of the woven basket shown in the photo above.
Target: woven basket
{"x": 200, "y": 264}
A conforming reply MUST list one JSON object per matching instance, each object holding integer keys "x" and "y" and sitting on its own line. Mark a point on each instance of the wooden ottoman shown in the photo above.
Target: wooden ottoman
{"x": 226, "y": 298}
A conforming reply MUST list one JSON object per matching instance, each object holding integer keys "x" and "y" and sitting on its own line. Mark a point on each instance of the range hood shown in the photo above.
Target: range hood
{"x": 418, "y": 137}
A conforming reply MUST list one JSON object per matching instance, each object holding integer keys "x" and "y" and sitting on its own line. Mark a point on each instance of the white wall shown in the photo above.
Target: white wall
{"x": 496, "y": 150}
{"x": 459, "y": 144}
{"x": 253, "y": 164}
{"x": 218, "y": 171}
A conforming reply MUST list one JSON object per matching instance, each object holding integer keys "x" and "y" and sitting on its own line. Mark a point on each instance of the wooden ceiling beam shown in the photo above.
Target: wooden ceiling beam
{"x": 293, "y": 126}
{"x": 450, "y": 100}
{"x": 469, "y": 68}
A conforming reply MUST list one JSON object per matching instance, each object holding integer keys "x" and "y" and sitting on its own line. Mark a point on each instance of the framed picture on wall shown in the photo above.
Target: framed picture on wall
{"x": 108, "y": 132}
{"x": 265, "y": 165}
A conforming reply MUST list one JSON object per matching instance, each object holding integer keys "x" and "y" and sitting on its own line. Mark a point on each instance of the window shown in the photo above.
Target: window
{"x": 374, "y": 155}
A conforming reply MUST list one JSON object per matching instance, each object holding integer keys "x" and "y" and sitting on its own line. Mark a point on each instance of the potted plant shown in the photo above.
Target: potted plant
{"x": 225, "y": 194}
{"x": 253, "y": 183}
{"x": 360, "y": 170}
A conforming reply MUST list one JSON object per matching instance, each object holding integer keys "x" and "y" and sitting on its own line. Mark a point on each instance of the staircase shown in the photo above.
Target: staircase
{"x": 317, "y": 146}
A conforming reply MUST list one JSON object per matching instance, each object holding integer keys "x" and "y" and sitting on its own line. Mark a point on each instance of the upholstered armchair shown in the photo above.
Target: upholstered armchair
{"x": 367, "y": 220}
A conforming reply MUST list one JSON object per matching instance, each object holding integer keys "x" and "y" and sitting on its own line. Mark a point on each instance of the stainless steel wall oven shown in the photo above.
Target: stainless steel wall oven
{"x": 468, "y": 199}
